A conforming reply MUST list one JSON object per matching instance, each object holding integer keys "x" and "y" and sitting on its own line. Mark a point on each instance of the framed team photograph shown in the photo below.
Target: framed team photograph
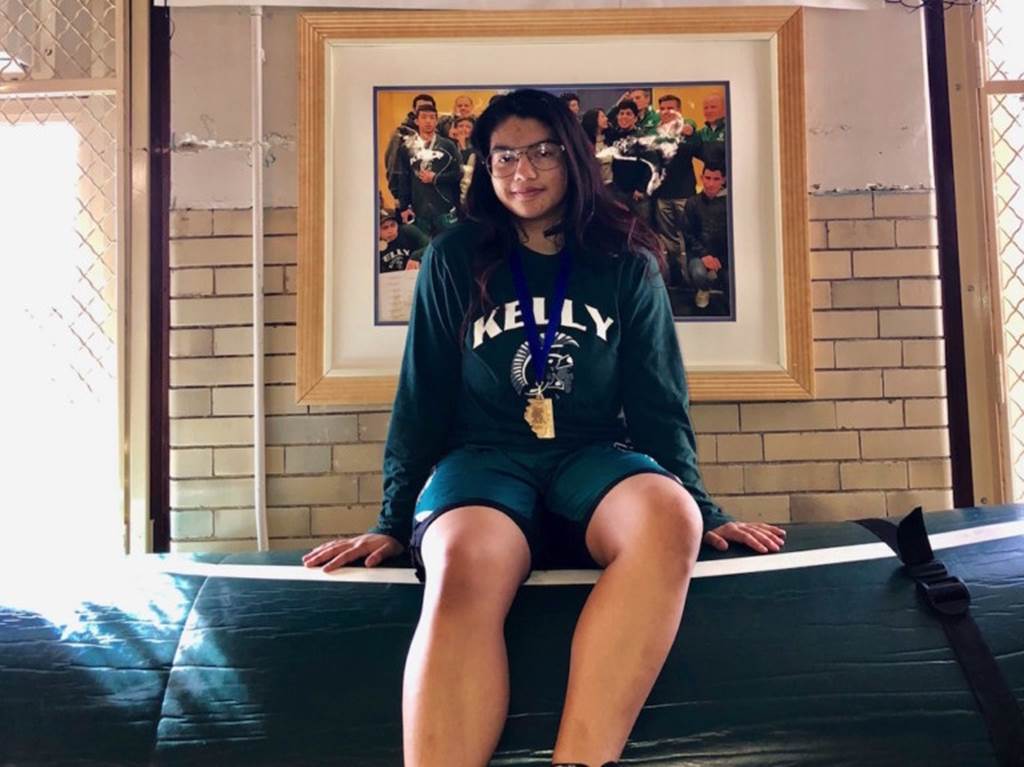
{"x": 662, "y": 150}
{"x": 699, "y": 132}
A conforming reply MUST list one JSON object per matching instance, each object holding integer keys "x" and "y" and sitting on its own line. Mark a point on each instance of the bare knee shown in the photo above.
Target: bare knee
{"x": 675, "y": 520}
{"x": 475, "y": 559}
{"x": 651, "y": 516}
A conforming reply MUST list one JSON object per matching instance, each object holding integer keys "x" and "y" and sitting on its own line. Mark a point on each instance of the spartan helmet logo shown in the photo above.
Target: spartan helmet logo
{"x": 559, "y": 368}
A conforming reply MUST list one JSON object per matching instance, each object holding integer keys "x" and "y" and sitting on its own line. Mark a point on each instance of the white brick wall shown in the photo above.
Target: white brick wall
{"x": 873, "y": 442}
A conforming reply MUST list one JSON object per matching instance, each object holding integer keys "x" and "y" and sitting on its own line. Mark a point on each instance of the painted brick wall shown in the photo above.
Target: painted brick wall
{"x": 874, "y": 442}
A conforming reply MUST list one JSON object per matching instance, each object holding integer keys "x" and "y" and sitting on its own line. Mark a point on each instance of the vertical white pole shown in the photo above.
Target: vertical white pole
{"x": 258, "y": 405}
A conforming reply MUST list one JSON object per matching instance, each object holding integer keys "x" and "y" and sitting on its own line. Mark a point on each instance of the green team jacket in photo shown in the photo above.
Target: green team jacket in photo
{"x": 615, "y": 352}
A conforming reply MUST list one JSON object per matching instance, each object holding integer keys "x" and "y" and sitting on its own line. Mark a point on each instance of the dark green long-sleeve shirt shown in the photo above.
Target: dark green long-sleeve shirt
{"x": 616, "y": 353}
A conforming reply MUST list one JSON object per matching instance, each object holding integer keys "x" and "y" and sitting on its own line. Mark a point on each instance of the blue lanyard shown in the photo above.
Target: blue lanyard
{"x": 539, "y": 353}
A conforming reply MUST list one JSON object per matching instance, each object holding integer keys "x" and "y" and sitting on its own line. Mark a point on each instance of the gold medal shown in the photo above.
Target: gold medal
{"x": 540, "y": 415}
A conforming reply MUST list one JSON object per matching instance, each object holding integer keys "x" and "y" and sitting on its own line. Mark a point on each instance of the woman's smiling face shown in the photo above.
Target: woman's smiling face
{"x": 528, "y": 193}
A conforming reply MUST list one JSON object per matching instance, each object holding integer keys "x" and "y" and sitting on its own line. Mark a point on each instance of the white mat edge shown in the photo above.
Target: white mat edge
{"x": 739, "y": 566}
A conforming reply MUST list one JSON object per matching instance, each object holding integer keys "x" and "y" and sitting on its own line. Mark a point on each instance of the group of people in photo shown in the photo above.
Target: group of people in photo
{"x": 666, "y": 168}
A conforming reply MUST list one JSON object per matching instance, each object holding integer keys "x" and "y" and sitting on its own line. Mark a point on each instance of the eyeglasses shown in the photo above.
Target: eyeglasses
{"x": 544, "y": 155}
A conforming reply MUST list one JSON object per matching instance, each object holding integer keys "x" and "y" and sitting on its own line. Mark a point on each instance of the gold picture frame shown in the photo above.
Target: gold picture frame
{"x": 324, "y": 254}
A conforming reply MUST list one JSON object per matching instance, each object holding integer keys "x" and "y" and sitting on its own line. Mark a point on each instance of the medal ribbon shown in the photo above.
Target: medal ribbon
{"x": 537, "y": 351}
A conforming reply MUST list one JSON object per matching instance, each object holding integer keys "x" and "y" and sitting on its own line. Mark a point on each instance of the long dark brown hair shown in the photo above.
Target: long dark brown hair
{"x": 595, "y": 224}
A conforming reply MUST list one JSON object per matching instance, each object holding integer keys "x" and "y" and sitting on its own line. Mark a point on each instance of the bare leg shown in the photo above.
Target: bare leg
{"x": 646, "y": 532}
{"x": 455, "y": 696}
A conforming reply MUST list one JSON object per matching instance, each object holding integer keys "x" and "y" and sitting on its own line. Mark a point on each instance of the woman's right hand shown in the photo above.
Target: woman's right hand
{"x": 339, "y": 552}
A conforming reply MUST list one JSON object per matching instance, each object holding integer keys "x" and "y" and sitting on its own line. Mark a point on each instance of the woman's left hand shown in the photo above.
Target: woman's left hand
{"x": 759, "y": 536}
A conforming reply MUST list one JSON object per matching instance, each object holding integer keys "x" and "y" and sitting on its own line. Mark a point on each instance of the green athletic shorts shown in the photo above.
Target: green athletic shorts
{"x": 549, "y": 493}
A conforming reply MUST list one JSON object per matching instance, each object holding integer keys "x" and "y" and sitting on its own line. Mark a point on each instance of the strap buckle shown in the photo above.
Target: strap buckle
{"x": 944, "y": 593}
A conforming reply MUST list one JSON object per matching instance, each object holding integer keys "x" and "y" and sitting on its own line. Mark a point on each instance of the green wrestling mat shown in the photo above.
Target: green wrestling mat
{"x": 820, "y": 655}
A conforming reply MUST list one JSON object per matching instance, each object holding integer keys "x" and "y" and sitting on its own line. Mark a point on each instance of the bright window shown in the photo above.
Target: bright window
{"x": 58, "y": 392}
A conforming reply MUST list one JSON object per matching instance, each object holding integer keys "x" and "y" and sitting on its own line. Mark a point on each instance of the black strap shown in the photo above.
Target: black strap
{"x": 950, "y": 602}
{"x": 884, "y": 529}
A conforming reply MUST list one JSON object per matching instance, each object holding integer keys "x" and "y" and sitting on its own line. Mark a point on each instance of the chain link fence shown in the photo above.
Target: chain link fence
{"x": 59, "y": 118}
{"x": 1004, "y": 41}
{"x": 62, "y": 40}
